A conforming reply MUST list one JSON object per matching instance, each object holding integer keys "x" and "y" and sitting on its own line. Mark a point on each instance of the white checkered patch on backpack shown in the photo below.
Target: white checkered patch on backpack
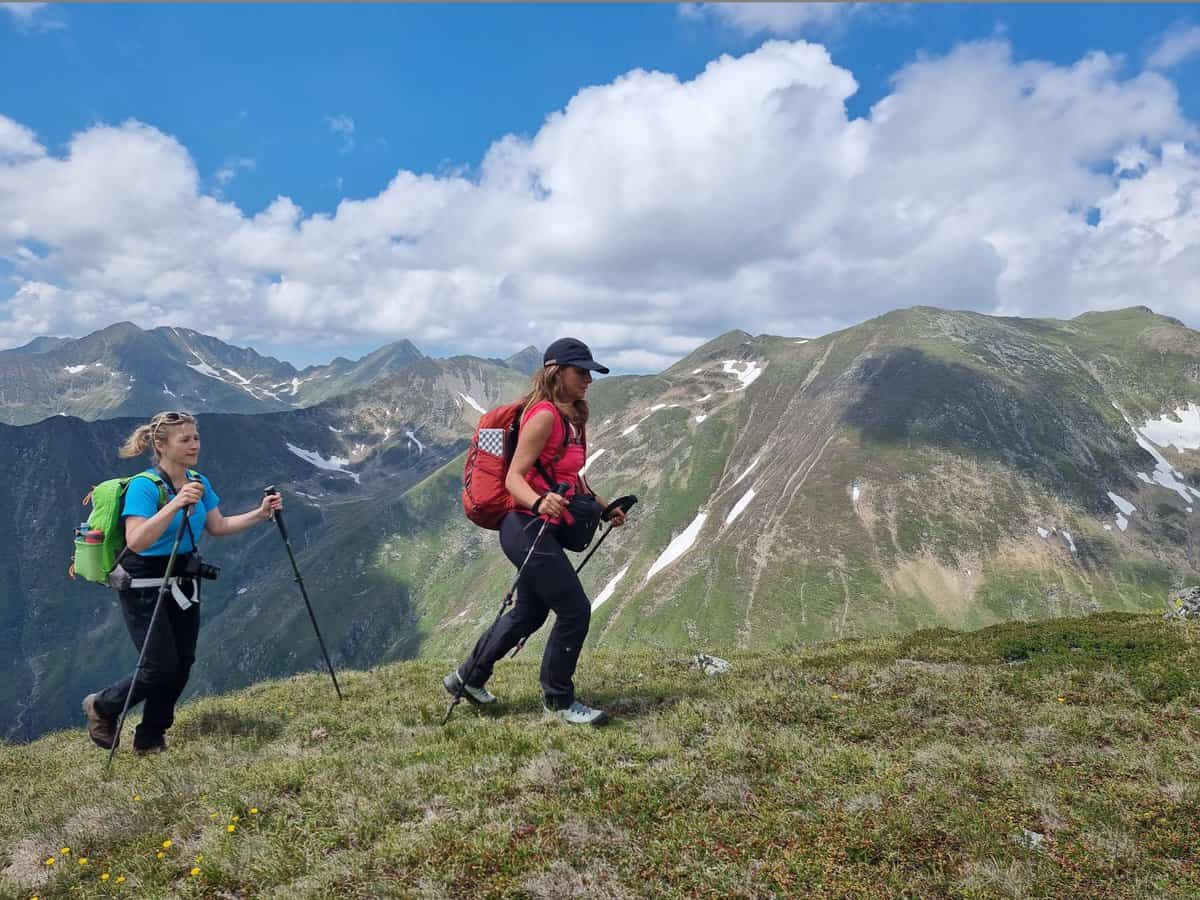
{"x": 491, "y": 440}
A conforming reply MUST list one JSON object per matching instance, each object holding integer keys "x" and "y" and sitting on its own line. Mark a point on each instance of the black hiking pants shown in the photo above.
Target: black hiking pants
{"x": 548, "y": 583}
{"x": 170, "y": 652}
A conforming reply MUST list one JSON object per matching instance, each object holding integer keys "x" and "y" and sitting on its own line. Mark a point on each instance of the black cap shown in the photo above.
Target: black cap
{"x": 572, "y": 352}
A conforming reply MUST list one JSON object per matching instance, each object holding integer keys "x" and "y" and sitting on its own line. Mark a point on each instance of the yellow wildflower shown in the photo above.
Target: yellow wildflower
{"x": 137, "y": 798}
{"x": 83, "y": 860}
{"x": 231, "y": 828}
{"x": 104, "y": 877}
{"x": 159, "y": 855}
{"x": 254, "y": 810}
{"x": 120, "y": 879}
{"x": 237, "y": 818}
{"x": 195, "y": 871}
{"x": 65, "y": 851}
{"x": 1062, "y": 699}
{"x": 50, "y": 860}
{"x": 167, "y": 844}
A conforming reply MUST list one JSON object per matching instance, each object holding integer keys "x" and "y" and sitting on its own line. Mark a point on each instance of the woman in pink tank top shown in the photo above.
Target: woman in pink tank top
{"x": 551, "y": 449}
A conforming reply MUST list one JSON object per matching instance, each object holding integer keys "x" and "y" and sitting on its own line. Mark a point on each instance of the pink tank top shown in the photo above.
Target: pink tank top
{"x": 565, "y": 468}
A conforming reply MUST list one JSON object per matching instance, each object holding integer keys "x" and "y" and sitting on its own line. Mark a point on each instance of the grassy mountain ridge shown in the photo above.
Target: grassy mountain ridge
{"x": 1049, "y": 759}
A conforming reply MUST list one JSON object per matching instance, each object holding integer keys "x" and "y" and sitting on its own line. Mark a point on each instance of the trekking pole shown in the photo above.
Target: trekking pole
{"x": 559, "y": 489}
{"x": 162, "y": 592}
{"x": 622, "y": 503}
{"x": 278, "y": 516}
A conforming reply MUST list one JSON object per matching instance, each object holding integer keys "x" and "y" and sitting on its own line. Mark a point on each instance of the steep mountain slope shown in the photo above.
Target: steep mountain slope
{"x": 923, "y": 468}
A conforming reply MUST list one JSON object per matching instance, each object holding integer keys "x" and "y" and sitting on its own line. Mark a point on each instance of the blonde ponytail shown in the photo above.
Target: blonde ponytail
{"x": 137, "y": 443}
{"x": 144, "y": 436}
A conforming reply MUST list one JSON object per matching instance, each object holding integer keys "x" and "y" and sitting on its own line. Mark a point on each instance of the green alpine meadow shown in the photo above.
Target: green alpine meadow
{"x": 1051, "y": 759}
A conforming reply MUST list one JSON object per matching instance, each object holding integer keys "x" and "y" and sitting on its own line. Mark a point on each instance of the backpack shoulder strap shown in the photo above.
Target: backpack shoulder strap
{"x": 159, "y": 482}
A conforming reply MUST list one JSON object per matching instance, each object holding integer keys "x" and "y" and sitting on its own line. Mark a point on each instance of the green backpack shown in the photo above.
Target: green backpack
{"x": 94, "y": 561}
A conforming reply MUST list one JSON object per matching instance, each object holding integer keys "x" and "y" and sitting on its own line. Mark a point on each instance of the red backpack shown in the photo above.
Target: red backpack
{"x": 485, "y": 498}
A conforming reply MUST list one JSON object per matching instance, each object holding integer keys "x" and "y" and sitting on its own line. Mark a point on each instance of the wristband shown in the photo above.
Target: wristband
{"x": 536, "y": 503}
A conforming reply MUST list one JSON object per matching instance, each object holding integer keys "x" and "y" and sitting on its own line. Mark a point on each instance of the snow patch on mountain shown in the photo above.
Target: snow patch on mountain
{"x": 412, "y": 439}
{"x": 473, "y": 402}
{"x": 592, "y": 457}
{"x": 607, "y": 592}
{"x": 746, "y": 372}
{"x": 205, "y": 369}
{"x": 1122, "y": 504}
{"x": 332, "y": 464}
{"x": 739, "y": 506}
{"x": 74, "y": 370}
{"x": 1183, "y": 435}
{"x": 749, "y": 469}
{"x": 679, "y": 546}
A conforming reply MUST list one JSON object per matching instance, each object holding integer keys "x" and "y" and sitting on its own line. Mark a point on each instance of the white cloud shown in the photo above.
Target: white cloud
{"x": 1175, "y": 47}
{"x": 34, "y": 16}
{"x": 781, "y": 19}
{"x": 649, "y": 214}
{"x": 343, "y": 127}
{"x": 230, "y": 169}
{"x": 17, "y": 143}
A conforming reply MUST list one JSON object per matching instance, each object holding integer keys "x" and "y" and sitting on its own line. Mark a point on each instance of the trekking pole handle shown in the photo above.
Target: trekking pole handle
{"x": 561, "y": 489}
{"x": 278, "y": 514}
{"x": 622, "y": 503}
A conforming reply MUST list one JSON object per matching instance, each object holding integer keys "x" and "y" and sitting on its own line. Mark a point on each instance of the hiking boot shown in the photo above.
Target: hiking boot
{"x": 101, "y": 729}
{"x": 578, "y": 714}
{"x": 159, "y": 746}
{"x": 480, "y": 696}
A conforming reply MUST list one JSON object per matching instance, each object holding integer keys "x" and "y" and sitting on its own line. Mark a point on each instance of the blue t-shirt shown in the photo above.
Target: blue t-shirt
{"x": 141, "y": 499}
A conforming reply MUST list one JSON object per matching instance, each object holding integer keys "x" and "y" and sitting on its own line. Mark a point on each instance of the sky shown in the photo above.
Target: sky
{"x": 316, "y": 180}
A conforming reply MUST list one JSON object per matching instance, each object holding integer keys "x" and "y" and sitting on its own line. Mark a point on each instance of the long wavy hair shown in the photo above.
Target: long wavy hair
{"x": 143, "y": 438}
{"x": 547, "y": 385}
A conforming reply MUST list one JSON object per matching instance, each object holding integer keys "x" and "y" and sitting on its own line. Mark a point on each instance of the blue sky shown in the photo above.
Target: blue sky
{"x": 320, "y": 103}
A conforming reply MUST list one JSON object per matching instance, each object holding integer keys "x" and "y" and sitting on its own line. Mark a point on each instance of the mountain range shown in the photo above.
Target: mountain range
{"x": 925, "y": 468}
{"x": 125, "y": 371}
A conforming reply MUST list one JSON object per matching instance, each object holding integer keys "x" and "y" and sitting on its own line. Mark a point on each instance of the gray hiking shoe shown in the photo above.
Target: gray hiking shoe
{"x": 101, "y": 729}
{"x": 480, "y": 696}
{"x": 578, "y": 714}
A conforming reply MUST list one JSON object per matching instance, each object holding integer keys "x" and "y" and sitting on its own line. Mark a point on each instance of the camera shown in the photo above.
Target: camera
{"x": 195, "y": 567}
